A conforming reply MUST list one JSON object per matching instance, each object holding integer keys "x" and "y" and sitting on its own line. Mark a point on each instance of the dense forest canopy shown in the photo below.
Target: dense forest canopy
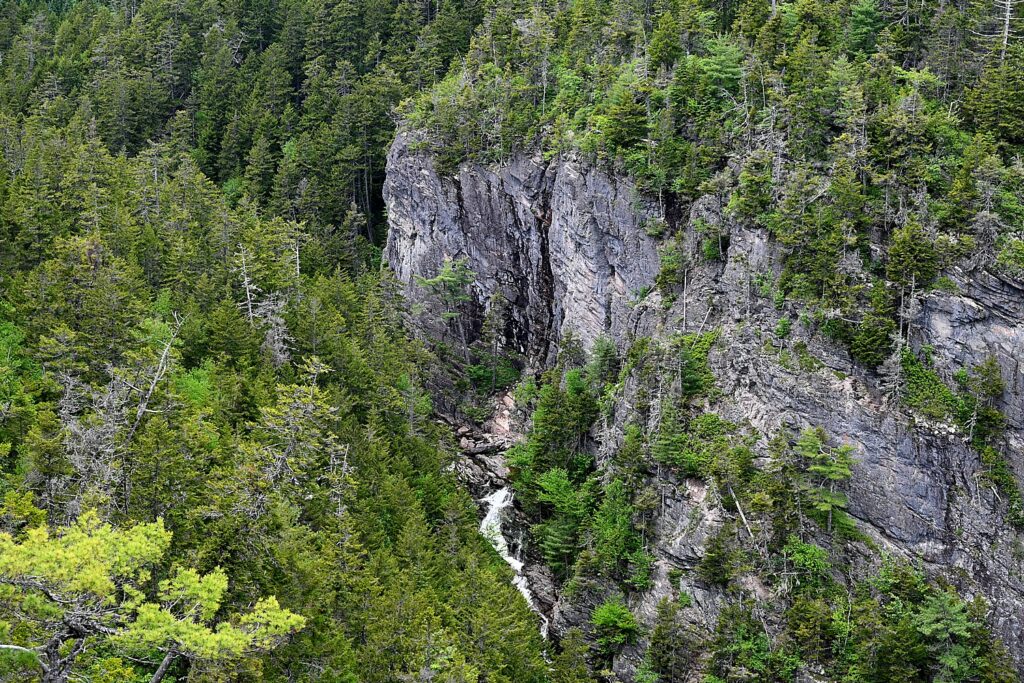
{"x": 217, "y": 458}
{"x": 206, "y": 392}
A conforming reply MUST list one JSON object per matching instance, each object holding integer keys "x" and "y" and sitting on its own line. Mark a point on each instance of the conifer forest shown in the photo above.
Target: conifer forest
{"x": 511, "y": 341}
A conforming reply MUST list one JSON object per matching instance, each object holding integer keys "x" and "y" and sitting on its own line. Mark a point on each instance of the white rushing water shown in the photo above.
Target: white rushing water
{"x": 492, "y": 528}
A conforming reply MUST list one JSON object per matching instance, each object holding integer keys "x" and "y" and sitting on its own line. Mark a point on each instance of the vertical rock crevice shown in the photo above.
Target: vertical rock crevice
{"x": 543, "y": 346}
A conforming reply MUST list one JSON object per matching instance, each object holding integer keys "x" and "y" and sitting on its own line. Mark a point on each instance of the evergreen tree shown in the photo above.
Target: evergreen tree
{"x": 828, "y": 467}
{"x": 865, "y": 23}
{"x": 93, "y": 575}
{"x": 666, "y": 44}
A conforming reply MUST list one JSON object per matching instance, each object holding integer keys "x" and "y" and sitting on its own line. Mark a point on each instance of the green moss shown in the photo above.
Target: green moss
{"x": 929, "y": 395}
{"x": 925, "y": 391}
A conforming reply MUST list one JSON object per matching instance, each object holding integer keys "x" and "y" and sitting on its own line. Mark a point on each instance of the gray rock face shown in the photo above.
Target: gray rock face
{"x": 566, "y": 244}
{"x": 562, "y": 243}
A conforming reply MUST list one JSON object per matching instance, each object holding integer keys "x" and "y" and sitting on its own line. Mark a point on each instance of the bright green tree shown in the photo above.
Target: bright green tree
{"x": 828, "y": 467}
{"x": 65, "y": 593}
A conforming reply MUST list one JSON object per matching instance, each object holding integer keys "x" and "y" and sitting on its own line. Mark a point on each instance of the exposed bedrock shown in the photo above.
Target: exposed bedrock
{"x": 568, "y": 245}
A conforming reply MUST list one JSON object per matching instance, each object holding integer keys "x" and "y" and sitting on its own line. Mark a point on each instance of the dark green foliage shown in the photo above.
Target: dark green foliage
{"x": 570, "y": 665}
{"x": 810, "y": 563}
{"x": 827, "y": 468}
{"x": 809, "y": 622}
{"x": 694, "y": 375}
{"x": 706, "y": 447}
{"x": 993, "y": 104}
{"x": 613, "y": 526}
{"x": 913, "y": 261}
{"x": 673, "y": 647}
{"x": 552, "y": 473}
{"x": 169, "y": 350}
{"x": 783, "y": 327}
{"x": 872, "y": 342}
{"x": 903, "y": 628}
{"x": 666, "y": 45}
{"x": 604, "y": 363}
{"x": 753, "y": 195}
{"x": 742, "y": 650}
{"x": 493, "y": 374}
{"x": 925, "y": 391}
{"x": 194, "y": 325}
{"x": 559, "y": 534}
{"x": 672, "y": 270}
{"x": 561, "y": 421}
{"x": 865, "y": 23}
{"x": 722, "y": 559}
{"x": 20, "y": 384}
{"x": 805, "y": 481}
{"x": 625, "y": 124}
{"x": 1011, "y": 257}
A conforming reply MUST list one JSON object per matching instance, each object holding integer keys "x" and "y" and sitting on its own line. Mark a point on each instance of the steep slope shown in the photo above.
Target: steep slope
{"x": 571, "y": 246}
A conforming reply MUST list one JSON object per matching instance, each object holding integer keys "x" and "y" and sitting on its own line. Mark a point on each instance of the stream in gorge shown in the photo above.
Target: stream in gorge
{"x": 498, "y": 506}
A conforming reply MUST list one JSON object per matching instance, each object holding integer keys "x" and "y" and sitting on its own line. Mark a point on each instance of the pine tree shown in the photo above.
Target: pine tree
{"x": 865, "y": 23}
{"x": 570, "y": 664}
{"x": 992, "y": 104}
{"x": 93, "y": 576}
{"x": 872, "y": 343}
{"x": 666, "y": 45}
{"x": 913, "y": 262}
{"x": 613, "y": 531}
{"x": 828, "y": 468}
{"x": 558, "y": 536}
{"x": 626, "y": 122}
{"x": 451, "y": 287}
{"x": 89, "y": 291}
{"x": 671, "y": 649}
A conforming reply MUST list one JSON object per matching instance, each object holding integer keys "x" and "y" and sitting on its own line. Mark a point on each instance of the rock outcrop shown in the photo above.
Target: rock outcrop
{"x": 564, "y": 244}
{"x": 568, "y": 245}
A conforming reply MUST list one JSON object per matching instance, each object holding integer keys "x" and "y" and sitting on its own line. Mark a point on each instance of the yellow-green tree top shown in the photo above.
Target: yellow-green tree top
{"x": 67, "y": 590}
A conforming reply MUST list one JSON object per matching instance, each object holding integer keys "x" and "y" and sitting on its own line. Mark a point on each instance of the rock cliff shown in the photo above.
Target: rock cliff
{"x": 564, "y": 244}
{"x": 574, "y": 249}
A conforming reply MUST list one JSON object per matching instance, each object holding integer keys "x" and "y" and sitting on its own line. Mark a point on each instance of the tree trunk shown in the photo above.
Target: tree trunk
{"x": 1007, "y": 7}
{"x": 57, "y": 669}
{"x": 164, "y": 666}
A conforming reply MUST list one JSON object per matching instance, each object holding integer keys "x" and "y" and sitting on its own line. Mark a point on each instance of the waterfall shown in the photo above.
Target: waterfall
{"x": 492, "y": 529}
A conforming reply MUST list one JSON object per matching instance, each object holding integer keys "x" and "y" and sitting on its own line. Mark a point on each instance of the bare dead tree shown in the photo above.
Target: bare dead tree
{"x": 1006, "y": 9}
{"x": 1002, "y": 29}
{"x": 158, "y": 373}
{"x": 277, "y": 341}
{"x": 92, "y": 449}
{"x": 251, "y": 289}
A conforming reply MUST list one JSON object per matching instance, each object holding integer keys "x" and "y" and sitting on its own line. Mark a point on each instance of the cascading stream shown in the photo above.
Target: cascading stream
{"x": 492, "y": 528}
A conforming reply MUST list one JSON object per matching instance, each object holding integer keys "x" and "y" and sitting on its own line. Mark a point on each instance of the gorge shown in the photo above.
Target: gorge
{"x": 566, "y": 242}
